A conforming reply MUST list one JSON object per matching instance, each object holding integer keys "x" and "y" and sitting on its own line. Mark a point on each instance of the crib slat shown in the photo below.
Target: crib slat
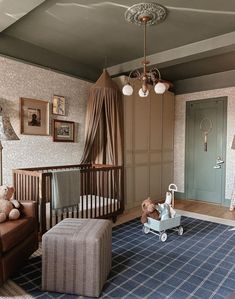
{"x": 88, "y": 178}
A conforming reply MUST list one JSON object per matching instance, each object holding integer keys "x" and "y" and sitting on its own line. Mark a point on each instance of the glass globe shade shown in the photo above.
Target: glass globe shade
{"x": 143, "y": 94}
{"x": 160, "y": 88}
{"x": 127, "y": 90}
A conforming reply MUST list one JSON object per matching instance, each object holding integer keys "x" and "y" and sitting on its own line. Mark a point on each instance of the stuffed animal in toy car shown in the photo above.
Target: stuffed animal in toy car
{"x": 168, "y": 201}
{"x": 164, "y": 210}
{"x": 149, "y": 210}
{"x": 8, "y": 206}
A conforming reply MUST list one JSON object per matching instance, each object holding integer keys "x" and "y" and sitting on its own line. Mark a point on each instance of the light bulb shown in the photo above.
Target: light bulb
{"x": 127, "y": 90}
{"x": 143, "y": 94}
{"x": 160, "y": 88}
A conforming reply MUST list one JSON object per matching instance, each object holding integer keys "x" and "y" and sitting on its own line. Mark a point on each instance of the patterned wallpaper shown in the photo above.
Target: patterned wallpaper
{"x": 179, "y": 146}
{"x": 18, "y": 79}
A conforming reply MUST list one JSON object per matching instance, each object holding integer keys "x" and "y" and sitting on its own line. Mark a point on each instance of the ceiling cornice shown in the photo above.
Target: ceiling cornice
{"x": 29, "y": 53}
{"x": 194, "y": 51}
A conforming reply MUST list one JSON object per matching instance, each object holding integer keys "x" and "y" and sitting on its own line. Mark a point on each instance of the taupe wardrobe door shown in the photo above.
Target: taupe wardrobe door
{"x": 167, "y": 140}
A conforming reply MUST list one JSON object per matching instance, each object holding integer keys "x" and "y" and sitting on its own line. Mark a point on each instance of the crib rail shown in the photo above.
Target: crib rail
{"x": 101, "y": 192}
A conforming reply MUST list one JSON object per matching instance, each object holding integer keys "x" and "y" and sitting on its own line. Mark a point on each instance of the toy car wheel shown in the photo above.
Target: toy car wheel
{"x": 146, "y": 229}
{"x": 180, "y": 230}
{"x": 163, "y": 236}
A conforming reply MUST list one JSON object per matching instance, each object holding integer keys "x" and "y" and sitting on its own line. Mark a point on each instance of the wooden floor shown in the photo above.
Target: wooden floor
{"x": 205, "y": 209}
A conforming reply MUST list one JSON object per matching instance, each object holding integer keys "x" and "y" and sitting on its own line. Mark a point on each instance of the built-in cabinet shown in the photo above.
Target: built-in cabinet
{"x": 148, "y": 145}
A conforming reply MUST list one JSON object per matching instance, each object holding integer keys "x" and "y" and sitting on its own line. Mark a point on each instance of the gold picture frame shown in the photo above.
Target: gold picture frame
{"x": 58, "y": 105}
{"x": 63, "y": 131}
{"x": 34, "y": 117}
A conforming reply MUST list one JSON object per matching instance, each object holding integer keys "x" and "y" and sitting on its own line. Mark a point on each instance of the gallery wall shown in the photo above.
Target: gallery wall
{"x": 179, "y": 135}
{"x": 18, "y": 79}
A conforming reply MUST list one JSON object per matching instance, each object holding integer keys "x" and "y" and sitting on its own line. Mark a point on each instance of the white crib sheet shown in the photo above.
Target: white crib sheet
{"x": 91, "y": 205}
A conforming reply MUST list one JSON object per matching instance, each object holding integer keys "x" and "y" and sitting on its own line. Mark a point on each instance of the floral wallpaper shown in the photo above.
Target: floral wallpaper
{"x": 18, "y": 79}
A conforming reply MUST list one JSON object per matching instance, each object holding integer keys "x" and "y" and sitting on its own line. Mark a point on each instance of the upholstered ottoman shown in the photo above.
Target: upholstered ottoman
{"x": 76, "y": 256}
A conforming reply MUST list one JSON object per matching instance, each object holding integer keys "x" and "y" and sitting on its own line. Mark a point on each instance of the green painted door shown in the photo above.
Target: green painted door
{"x": 205, "y": 149}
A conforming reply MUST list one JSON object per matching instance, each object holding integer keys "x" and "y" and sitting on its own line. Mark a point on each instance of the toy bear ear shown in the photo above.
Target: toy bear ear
{"x": 10, "y": 192}
{"x": 12, "y": 189}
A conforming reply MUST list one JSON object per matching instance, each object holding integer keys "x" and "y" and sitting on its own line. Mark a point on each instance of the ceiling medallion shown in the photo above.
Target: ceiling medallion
{"x": 146, "y": 14}
{"x": 156, "y": 13}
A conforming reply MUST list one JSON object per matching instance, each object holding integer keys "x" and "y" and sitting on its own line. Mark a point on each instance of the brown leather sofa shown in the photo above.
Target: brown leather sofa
{"x": 18, "y": 240}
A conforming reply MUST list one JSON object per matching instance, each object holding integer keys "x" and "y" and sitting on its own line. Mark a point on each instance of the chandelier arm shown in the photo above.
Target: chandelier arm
{"x": 134, "y": 71}
{"x": 158, "y": 72}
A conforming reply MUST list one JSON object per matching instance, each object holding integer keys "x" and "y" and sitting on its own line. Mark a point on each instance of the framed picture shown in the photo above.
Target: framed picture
{"x": 34, "y": 117}
{"x": 58, "y": 105}
{"x": 63, "y": 131}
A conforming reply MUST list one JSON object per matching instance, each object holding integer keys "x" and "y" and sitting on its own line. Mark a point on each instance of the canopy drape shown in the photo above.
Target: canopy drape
{"x": 104, "y": 123}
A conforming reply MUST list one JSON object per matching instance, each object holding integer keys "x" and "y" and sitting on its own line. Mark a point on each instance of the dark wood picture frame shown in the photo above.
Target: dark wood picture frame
{"x": 63, "y": 131}
{"x": 34, "y": 117}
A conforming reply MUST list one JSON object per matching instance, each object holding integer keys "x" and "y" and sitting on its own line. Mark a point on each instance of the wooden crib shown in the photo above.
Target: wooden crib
{"x": 101, "y": 192}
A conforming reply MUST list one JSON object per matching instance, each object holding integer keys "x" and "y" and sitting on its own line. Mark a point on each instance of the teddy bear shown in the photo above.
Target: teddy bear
{"x": 149, "y": 210}
{"x": 8, "y": 206}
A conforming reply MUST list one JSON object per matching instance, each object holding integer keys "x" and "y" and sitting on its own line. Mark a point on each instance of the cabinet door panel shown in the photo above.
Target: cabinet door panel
{"x": 129, "y": 183}
{"x": 128, "y": 122}
{"x": 141, "y": 158}
{"x": 167, "y": 175}
{"x": 141, "y": 123}
{"x": 168, "y": 121}
{"x": 141, "y": 183}
{"x": 155, "y": 181}
{"x": 155, "y": 122}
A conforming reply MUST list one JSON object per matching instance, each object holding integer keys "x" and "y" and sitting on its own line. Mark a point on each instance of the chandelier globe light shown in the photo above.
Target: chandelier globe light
{"x": 127, "y": 89}
{"x": 144, "y": 14}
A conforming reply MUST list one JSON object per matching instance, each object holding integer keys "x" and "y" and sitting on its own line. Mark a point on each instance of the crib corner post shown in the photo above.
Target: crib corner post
{"x": 122, "y": 190}
{"x": 42, "y": 204}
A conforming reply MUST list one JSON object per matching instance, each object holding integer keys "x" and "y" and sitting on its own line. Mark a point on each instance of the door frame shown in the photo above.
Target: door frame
{"x": 224, "y": 141}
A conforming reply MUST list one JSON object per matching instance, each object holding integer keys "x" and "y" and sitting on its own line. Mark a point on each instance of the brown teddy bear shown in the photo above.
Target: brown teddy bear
{"x": 149, "y": 210}
{"x": 8, "y": 206}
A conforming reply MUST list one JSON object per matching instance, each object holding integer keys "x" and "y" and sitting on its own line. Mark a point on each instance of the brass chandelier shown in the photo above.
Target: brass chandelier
{"x": 146, "y": 14}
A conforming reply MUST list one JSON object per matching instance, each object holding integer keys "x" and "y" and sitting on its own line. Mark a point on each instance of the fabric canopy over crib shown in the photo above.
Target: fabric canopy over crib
{"x": 104, "y": 123}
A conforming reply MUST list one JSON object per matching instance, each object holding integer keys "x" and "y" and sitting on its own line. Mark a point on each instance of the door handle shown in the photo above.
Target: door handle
{"x": 219, "y": 161}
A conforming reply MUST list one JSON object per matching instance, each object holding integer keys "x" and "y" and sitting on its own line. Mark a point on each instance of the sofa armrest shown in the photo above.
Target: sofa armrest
{"x": 29, "y": 209}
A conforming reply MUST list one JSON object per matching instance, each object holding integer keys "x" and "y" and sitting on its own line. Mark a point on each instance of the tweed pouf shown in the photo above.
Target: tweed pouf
{"x": 76, "y": 256}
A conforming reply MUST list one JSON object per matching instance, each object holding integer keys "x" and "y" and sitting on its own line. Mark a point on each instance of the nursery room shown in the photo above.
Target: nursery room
{"x": 117, "y": 149}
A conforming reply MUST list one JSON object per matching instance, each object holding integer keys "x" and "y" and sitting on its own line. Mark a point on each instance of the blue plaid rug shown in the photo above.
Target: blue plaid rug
{"x": 199, "y": 264}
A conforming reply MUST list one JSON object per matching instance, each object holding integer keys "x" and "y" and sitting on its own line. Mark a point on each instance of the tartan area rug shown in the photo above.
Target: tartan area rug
{"x": 199, "y": 264}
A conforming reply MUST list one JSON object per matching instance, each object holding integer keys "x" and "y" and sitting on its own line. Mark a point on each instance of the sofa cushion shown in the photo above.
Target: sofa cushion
{"x": 14, "y": 231}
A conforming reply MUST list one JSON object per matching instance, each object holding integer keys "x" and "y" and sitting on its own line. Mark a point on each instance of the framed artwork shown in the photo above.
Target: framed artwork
{"x": 34, "y": 117}
{"x": 63, "y": 131}
{"x": 58, "y": 105}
